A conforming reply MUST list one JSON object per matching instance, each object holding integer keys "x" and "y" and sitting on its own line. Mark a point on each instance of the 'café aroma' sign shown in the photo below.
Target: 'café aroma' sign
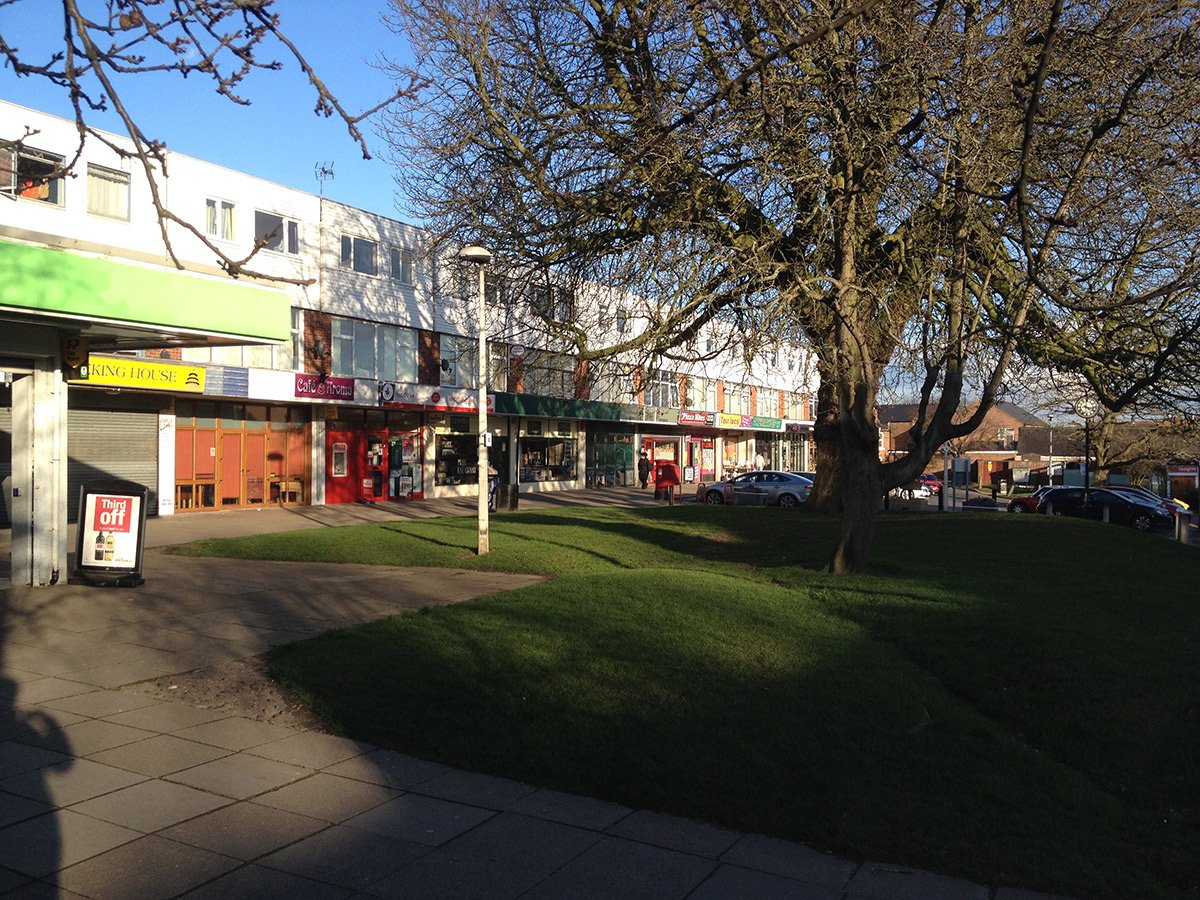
{"x": 312, "y": 387}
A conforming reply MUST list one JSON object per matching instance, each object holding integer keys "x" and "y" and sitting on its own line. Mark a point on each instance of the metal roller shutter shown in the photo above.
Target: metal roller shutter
{"x": 107, "y": 443}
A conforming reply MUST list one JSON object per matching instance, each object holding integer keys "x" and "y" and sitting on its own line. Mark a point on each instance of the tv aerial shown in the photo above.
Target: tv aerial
{"x": 323, "y": 172}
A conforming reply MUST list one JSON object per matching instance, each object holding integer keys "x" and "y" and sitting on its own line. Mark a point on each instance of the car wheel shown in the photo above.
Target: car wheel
{"x": 716, "y": 498}
{"x": 1141, "y": 522}
{"x": 788, "y": 500}
{"x": 1018, "y": 508}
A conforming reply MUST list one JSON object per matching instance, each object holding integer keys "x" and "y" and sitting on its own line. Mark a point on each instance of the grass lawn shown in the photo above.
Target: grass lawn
{"x": 1012, "y": 699}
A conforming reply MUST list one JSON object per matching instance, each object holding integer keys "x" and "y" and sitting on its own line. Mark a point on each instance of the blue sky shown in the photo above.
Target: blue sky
{"x": 278, "y": 136}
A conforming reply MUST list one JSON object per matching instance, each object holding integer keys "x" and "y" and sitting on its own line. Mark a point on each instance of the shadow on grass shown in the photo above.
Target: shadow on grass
{"x": 742, "y": 703}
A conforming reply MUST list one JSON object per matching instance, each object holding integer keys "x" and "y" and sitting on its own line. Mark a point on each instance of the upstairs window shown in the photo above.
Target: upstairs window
{"x": 218, "y": 221}
{"x": 277, "y": 233}
{"x": 32, "y": 174}
{"x": 373, "y": 350}
{"x": 402, "y": 265}
{"x": 359, "y": 254}
{"x": 108, "y": 193}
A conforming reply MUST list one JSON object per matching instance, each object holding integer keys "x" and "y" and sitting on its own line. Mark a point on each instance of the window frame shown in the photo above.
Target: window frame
{"x": 113, "y": 176}
{"x": 289, "y": 238}
{"x": 214, "y": 225}
{"x": 55, "y": 188}
{"x": 350, "y": 257}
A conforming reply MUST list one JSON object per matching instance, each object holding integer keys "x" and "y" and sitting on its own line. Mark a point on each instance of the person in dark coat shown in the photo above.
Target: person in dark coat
{"x": 644, "y": 470}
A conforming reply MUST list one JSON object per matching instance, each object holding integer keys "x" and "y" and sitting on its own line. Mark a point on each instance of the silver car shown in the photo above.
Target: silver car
{"x": 768, "y": 488}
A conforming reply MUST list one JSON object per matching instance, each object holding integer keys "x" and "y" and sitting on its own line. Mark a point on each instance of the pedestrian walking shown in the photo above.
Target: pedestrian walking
{"x": 644, "y": 470}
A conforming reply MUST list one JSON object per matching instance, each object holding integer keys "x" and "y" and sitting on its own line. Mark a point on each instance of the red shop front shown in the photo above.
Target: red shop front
{"x": 372, "y": 464}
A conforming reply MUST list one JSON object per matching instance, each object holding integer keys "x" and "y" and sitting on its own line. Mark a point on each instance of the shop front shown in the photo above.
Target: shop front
{"x": 231, "y": 455}
{"x": 373, "y": 455}
{"x": 549, "y": 454}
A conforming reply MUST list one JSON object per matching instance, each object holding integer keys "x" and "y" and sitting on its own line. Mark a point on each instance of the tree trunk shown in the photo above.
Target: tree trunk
{"x": 850, "y": 482}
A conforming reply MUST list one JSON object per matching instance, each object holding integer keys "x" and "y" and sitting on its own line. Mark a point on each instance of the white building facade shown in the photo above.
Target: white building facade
{"x": 350, "y": 375}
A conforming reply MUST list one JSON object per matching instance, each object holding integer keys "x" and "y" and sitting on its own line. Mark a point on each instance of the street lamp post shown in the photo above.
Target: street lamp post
{"x": 1086, "y": 408}
{"x": 1050, "y": 464}
{"x": 473, "y": 253}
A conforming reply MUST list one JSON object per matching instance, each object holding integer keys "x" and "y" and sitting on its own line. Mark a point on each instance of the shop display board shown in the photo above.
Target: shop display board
{"x": 111, "y": 534}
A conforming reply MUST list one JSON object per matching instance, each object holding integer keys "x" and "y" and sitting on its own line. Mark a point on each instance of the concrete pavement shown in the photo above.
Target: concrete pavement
{"x": 109, "y": 791}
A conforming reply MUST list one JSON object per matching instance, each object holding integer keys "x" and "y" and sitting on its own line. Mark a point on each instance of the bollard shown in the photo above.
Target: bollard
{"x": 1182, "y": 528}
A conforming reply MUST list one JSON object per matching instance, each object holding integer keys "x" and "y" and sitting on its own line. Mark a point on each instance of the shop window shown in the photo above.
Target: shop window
{"x": 108, "y": 193}
{"x": 358, "y": 254}
{"x": 32, "y": 174}
{"x": 457, "y": 459}
{"x": 548, "y": 459}
{"x": 219, "y": 219}
{"x": 276, "y": 233}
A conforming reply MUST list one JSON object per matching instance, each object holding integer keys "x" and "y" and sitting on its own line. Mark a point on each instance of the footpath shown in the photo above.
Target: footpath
{"x": 110, "y": 791}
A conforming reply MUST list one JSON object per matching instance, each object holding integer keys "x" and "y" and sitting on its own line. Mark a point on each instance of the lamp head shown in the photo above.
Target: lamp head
{"x": 474, "y": 253}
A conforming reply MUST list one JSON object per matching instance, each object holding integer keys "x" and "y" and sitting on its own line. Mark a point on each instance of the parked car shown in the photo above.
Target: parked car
{"x": 914, "y": 491}
{"x": 931, "y": 481}
{"x": 1169, "y": 506}
{"x": 773, "y": 488}
{"x": 1123, "y": 509}
{"x": 1029, "y": 502}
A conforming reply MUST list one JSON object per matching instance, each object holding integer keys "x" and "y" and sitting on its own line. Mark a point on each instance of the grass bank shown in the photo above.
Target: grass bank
{"x": 1011, "y": 699}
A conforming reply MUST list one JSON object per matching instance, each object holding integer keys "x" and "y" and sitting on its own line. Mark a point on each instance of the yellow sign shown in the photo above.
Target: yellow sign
{"x": 74, "y": 350}
{"x": 142, "y": 373}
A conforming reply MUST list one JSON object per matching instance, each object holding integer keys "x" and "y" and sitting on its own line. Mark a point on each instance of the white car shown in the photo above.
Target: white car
{"x": 913, "y": 491}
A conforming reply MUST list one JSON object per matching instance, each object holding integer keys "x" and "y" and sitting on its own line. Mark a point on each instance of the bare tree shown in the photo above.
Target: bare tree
{"x": 106, "y": 41}
{"x": 889, "y": 176}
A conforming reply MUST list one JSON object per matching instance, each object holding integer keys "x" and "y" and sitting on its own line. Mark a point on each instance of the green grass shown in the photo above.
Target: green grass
{"x": 1011, "y": 699}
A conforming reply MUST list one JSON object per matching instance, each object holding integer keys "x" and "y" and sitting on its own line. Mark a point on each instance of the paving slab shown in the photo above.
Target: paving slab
{"x": 424, "y": 820}
{"x": 151, "y": 805}
{"x": 37, "y": 847}
{"x": 312, "y": 749}
{"x": 47, "y": 688}
{"x": 102, "y": 704}
{"x": 790, "y": 860}
{"x": 386, "y": 767}
{"x": 17, "y": 757}
{"x": 95, "y": 735}
{"x": 570, "y": 809}
{"x": 329, "y": 797}
{"x": 675, "y": 833}
{"x": 235, "y": 733}
{"x": 736, "y": 883}
{"x": 346, "y": 857}
{"x": 78, "y": 780}
{"x": 253, "y": 882}
{"x": 15, "y": 808}
{"x": 503, "y": 857}
{"x": 475, "y": 789}
{"x": 240, "y": 776}
{"x": 162, "y": 754}
{"x": 615, "y": 867}
{"x": 166, "y": 718}
{"x": 245, "y": 830}
{"x": 150, "y": 867}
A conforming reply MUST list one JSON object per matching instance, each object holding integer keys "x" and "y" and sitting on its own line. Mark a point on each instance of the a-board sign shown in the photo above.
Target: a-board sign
{"x": 111, "y": 534}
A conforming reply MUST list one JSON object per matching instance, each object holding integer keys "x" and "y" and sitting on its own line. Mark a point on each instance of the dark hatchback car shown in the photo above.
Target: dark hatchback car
{"x": 1122, "y": 509}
